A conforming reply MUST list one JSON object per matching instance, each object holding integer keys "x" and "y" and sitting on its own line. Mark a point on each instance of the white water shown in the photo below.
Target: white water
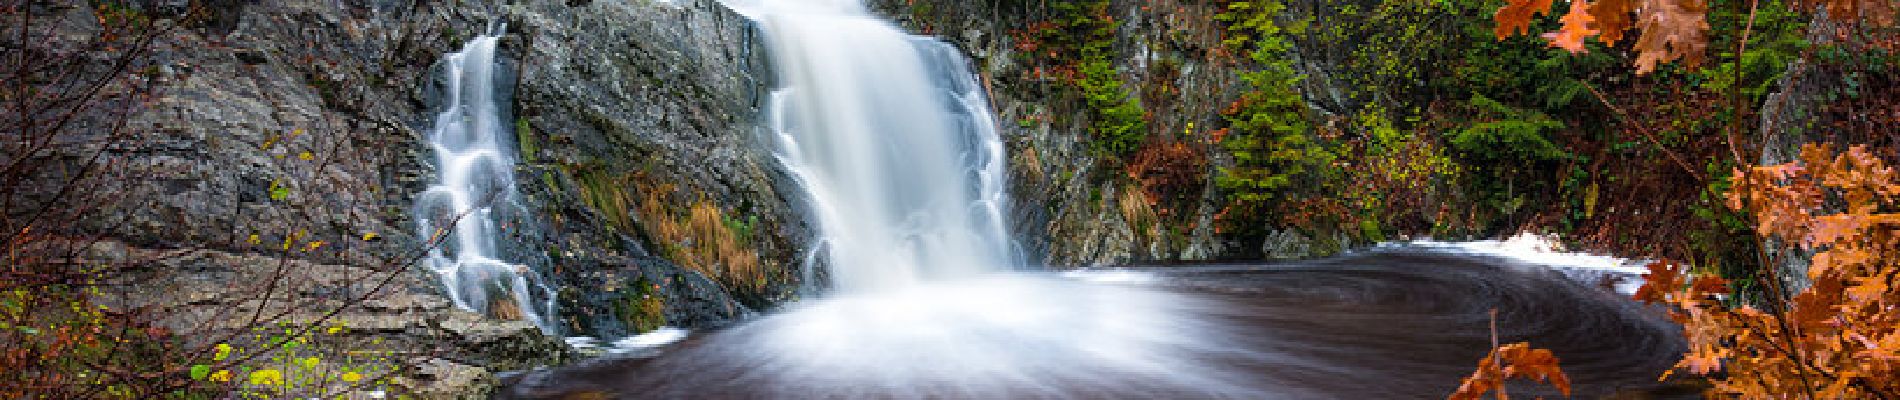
{"x": 1625, "y": 275}
{"x": 891, "y": 137}
{"x": 474, "y": 204}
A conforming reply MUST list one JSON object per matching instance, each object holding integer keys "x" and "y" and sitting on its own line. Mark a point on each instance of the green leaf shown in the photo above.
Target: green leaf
{"x": 200, "y": 372}
{"x": 278, "y": 191}
{"x": 267, "y": 377}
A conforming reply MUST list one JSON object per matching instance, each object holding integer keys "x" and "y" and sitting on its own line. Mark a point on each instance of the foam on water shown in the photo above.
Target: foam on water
{"x": 1547, "y": 252}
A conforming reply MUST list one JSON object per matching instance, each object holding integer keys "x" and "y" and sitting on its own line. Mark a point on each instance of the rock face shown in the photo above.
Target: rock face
{"x": 304, "y": 318}
{"x": 631, "y": 112}
{"x": 292, "y": 132}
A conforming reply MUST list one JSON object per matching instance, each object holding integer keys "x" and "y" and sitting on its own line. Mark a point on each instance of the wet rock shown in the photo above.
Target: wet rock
{"x": 437, "y": 378}
{"x": 312, "y": 127}
{"x": 1286, "y": 244}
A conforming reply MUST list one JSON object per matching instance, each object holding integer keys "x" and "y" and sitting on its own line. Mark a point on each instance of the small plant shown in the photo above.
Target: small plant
{"x": 288, "y": 361}
{"x": 1269, "y": 136}
{"x": 643, "y": 309}
{"x": 1511, "y": 361}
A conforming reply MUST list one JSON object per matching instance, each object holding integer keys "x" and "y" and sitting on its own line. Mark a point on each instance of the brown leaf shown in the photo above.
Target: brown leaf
{"x": 1663, "y": 278}
{"x": 1612, "y": 18}
{"x": 1512, "y": 361}
{"x": 1672, "y": 30}
{"x": 1515, "y": 17}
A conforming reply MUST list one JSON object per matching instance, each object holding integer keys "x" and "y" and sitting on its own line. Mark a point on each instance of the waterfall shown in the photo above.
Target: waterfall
{"x": 473, "y": 205}
{"x": 891, "y": 138}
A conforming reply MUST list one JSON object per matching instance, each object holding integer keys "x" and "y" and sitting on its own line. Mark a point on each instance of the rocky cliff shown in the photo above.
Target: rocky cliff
{"x": 281, "y": 154}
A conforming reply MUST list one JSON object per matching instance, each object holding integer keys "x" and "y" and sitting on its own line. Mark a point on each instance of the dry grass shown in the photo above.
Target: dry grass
{"x": 1137, "y": 211}
{"x": 704, "y": 239}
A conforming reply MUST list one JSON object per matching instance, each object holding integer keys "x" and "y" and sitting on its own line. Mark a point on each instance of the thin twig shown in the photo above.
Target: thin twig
{"x": 1646, "y": 134}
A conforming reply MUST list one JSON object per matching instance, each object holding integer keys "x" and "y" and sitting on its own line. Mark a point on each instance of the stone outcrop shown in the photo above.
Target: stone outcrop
{"x": 291, "y": 135}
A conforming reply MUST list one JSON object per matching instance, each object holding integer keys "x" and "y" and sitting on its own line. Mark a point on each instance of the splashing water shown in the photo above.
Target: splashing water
{"x": 474, "y": 203}
{"x": 891, "y": 137}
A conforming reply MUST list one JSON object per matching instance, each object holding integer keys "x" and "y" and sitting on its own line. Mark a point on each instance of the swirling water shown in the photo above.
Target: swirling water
{"x": 1402, "y": 322}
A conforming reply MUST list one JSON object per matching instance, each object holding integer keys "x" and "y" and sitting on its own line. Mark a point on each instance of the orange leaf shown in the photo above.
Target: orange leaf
{"x": 1515, "y": 17}
{"x": 1576, "y": 28}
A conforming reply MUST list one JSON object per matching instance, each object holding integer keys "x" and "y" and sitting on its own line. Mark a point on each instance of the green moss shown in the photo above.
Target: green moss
{"x": 603, "y": 191}
{"x": 524, "y": 137}
{"x": 641, "y": 308}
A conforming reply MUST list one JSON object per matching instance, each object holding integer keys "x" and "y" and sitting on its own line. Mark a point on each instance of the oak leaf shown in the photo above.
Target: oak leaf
{"x": 1515, "y": 17}
{"x": 1671, "y": 30}
{"x": 1512, "y": 361}
{"x": 1612, "y": 18}
{"x": 1577, "y": 26}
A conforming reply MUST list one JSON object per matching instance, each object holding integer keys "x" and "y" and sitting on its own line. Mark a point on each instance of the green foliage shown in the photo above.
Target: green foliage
{"x": 1774, "y": 43}
{"x": 1505, "y": 134}
{"x": 1268, "y": 135}
{"x": 1116, "y": 118}
{"x": 278, "y": 190}
{"x": 641, "y": 307}
{"x": 1078, "y": 46}
{"x": 293, "y": 360}
{"x": 1509, "y": 151}
{"x": 55, "y": 336}
{"x": 743, "y": 229}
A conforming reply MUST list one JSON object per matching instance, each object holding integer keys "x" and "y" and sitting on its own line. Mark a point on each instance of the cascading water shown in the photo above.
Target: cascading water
{"x": 891, "y": 137}
{"x": 474, "y": 203}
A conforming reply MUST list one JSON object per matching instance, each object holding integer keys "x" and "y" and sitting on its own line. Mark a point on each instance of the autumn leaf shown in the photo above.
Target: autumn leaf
{"x": 1663, "y": 278}
{"x": 1512, "y": 361}
{"x": 1671, "y": 30}
{"x": 1576, "y": 27}
{"x": 1515, "y": 17}
{"x": 1839, "y": 336}
{"x": 1612, "y": 18}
